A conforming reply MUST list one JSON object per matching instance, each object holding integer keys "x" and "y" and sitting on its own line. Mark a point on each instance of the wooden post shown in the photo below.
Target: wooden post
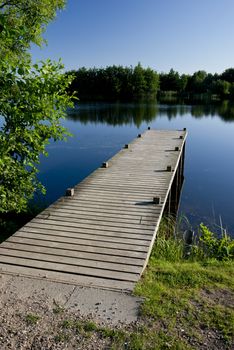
{"x": 182, "y": 160}
{"x": 70, "y": 192}
{"x": 157, "y": 200}
{"x": 169, "y": 203}
{"x": 105, "y": 165}
{"x": 175, "y": 193}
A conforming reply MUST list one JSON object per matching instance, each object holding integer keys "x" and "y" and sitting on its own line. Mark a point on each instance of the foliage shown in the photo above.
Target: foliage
{"x": 32, "y": 100}
{"x": 22, "y": 22}
{"x": 32, "y": 104}
{"x": 221, "y": 87}
{"x": 210, "y": 246}
{"x": 32, "y": 319}
{"x": 170, "y": 245}
{"x": 228, "y": 75}
{"x": 170, "y": 81}
{"x": 115, "y": 83}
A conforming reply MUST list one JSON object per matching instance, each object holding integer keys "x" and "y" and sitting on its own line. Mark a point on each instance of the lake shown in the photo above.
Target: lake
{"x": 101, "y": 129}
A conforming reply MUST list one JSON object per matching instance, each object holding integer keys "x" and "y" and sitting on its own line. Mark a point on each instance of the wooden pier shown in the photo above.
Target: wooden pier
{"x": 102, "y": 232}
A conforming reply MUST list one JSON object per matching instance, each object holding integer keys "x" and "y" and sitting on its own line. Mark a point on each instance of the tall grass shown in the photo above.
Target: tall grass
{"x": 171, "y": 246}
{"x": 168, "y": 246}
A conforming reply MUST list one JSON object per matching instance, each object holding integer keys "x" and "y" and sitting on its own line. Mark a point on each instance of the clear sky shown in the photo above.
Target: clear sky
{"x": 186, "y": 35}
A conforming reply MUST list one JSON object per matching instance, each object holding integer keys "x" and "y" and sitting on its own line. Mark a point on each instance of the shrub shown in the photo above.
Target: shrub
{"x": 209, "y": 245}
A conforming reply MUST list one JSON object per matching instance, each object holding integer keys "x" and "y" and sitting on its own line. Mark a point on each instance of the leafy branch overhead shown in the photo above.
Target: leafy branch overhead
{"x": 22, "y": 22}
{"x": 33, "y": 99}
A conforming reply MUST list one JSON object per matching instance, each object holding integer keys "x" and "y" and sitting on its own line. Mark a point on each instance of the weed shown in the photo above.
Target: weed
{"x": 209, "y": 245}
{"x": 57, "y": 308}
{"x": 67, "y": 324}
{"x": 89, "y": 326}
{"x": 61, "y": 337}
{"x": 32, "y": 319}
{"x": 116, "y": 335}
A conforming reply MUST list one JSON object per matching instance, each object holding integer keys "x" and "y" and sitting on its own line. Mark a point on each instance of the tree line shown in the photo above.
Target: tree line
{"x": 130, "y": 83}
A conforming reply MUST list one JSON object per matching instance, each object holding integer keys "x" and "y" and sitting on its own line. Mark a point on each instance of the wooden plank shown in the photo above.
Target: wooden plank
{"x": 72, "y": 229}
{"x": 89, "y": 256}
{"x": 116, "y": 198}
{"x": 72, "y": 269}
{"x": 84, "y": 242}
{"x": 47, "y": 218}
{"x": 128, "y": 185}
{"x": 116, "y": 194}
{"x": 53, "y": 223}
{"x": 121, "y": 192}
{"x": 135, "y": 209}
{"x": 97, "y": 235}
{"x": 78, "y": 248}
{"x": 123, "y": 203}
{"x": 91, "y": 237}
{"x": 67, "y": 278}
{"x": 99, "y": 216}
{"x": 47, "y": 255}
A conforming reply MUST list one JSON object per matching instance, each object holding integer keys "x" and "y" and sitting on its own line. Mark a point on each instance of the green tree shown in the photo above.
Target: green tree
{"x": 196, "y": 83}
{"x": 32, "y": 99}
{"x": 221, "y": 88}
{"x": 138, "y": 81}
{"x": 183, "y": 82}
{"x": 228, "y": 75}
{"x": 170, "y": 81}
{"x": 152, "y": 82}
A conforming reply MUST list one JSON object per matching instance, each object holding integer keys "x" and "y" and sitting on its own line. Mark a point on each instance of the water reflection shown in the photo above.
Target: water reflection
{"x": 118, "y": 114}
{"x": 114, "y": 114}
{"x": 224, "y": 110}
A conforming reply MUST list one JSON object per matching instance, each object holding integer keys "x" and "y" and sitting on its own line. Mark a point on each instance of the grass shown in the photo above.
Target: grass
{"x": 136, "y": 338}
{"x": 61, "y": 337}
{"x": 32, "y": 319}
{"x": 187, "y": 299}
{"x": 57, "y": 309}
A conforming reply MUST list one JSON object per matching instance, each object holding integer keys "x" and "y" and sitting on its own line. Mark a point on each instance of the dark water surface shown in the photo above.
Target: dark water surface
{"x": 100, "y": 130}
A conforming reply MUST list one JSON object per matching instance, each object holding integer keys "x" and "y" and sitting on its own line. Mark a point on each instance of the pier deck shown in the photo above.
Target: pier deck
{"x": 102, "y": 235}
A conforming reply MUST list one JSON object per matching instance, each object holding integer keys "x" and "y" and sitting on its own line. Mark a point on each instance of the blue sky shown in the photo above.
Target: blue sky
{"x": 186, "y": 35}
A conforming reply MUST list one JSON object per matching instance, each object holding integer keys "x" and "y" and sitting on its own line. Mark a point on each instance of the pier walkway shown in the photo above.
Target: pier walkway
{"x": 102, "y": 232}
